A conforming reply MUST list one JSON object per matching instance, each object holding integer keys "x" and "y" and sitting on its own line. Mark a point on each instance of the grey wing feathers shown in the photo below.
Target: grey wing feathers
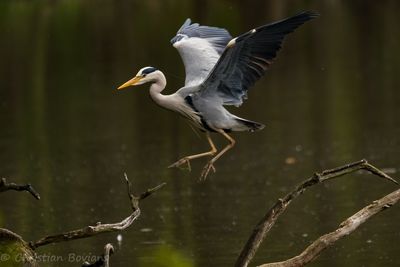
{"x": 247, "y": 58}
{"x": 200, "y": 47}
{"x": 217, "y": 37}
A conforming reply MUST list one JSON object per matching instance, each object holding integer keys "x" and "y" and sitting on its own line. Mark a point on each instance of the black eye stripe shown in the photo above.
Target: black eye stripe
{"x": 148, "y": 70}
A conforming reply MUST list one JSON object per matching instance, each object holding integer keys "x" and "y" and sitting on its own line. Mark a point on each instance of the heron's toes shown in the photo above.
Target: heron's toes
{"x": 181, "y": 162}
{"x": 206, "y": 170}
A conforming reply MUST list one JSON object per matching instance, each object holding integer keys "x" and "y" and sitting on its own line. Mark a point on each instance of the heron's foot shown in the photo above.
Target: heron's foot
{"x": 206, "y": 170}
{"x": 181, "y": 162}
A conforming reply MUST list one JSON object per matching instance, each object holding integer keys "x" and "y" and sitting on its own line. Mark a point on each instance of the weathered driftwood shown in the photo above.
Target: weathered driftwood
{"x": 104, "y": 260}
{"x": 100, "y": 228}
{"x": 4, "y": 186}
{"x": 345, "y": 228}
{"x": 266, "y": 223}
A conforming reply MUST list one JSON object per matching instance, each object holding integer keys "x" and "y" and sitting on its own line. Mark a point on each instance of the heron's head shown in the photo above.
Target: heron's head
{"x": 145, "y": 75}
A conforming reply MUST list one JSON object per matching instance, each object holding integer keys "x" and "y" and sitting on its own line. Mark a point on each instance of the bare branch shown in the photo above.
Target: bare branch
{"x": 4, "y": 186}
{"x": 87, "y": 231}
{"x": 345, "y": 228}
{"x": 150, "y": 191}
{"x": 266, "y": 223}
{"x": 99, "y": 228}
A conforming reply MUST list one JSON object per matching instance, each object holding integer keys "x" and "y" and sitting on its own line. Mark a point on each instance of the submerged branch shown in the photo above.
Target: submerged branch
{"x": 104, "y": 260}
{"x": 266, "y": 223}
{"x": 100, "y": 228}
{"x": 4, "y": 186}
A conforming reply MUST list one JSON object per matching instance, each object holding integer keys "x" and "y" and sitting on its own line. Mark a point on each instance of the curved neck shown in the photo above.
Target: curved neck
{"x": 157, "y": 87}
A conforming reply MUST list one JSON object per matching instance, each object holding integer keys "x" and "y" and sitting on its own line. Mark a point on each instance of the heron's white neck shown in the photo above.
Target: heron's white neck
{"x": 157, "y": 87}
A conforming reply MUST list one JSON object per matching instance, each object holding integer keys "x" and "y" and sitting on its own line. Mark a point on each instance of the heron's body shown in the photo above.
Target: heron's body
{"x": 203, "y": 113}
{"x": 219, "y": 71}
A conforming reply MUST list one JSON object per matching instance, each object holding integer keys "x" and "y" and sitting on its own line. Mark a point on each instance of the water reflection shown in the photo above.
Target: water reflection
{"x": 331, "y": 97}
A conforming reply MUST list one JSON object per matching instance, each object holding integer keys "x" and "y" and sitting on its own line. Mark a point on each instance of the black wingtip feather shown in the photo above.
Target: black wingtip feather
{"x": 311, "y": 14}
{"x": 292, "y": 22}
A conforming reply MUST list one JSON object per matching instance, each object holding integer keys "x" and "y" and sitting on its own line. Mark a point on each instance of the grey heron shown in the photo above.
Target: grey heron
{"x": 219, "y": 71}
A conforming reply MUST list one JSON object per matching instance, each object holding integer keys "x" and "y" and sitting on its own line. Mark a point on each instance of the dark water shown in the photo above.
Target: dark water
{"x": 332, "y": 97}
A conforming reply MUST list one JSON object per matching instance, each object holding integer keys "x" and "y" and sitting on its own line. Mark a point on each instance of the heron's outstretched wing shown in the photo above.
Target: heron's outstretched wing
{"x": 200, "y": 48}
{"x": 246, "y": 58}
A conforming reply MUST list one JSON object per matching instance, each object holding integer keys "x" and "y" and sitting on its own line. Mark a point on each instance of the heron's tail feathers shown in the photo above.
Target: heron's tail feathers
{"x": 251, "y": 126}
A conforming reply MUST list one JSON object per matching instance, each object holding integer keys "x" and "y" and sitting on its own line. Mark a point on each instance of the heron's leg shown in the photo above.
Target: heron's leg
{"x": 210, "y": 165}
{"x": 188, "y": 158}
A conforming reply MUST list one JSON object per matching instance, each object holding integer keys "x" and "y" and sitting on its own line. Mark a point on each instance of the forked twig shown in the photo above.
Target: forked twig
{"x": 134, "y": 199}
{"x": 266, "y": 223}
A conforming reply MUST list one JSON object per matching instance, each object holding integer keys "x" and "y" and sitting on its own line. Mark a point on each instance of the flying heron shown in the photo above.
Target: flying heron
{"x": 219, "y": 71}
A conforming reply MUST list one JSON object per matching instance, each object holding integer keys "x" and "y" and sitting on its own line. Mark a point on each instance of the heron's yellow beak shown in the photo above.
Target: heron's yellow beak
{"x": 131, "y": 82}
